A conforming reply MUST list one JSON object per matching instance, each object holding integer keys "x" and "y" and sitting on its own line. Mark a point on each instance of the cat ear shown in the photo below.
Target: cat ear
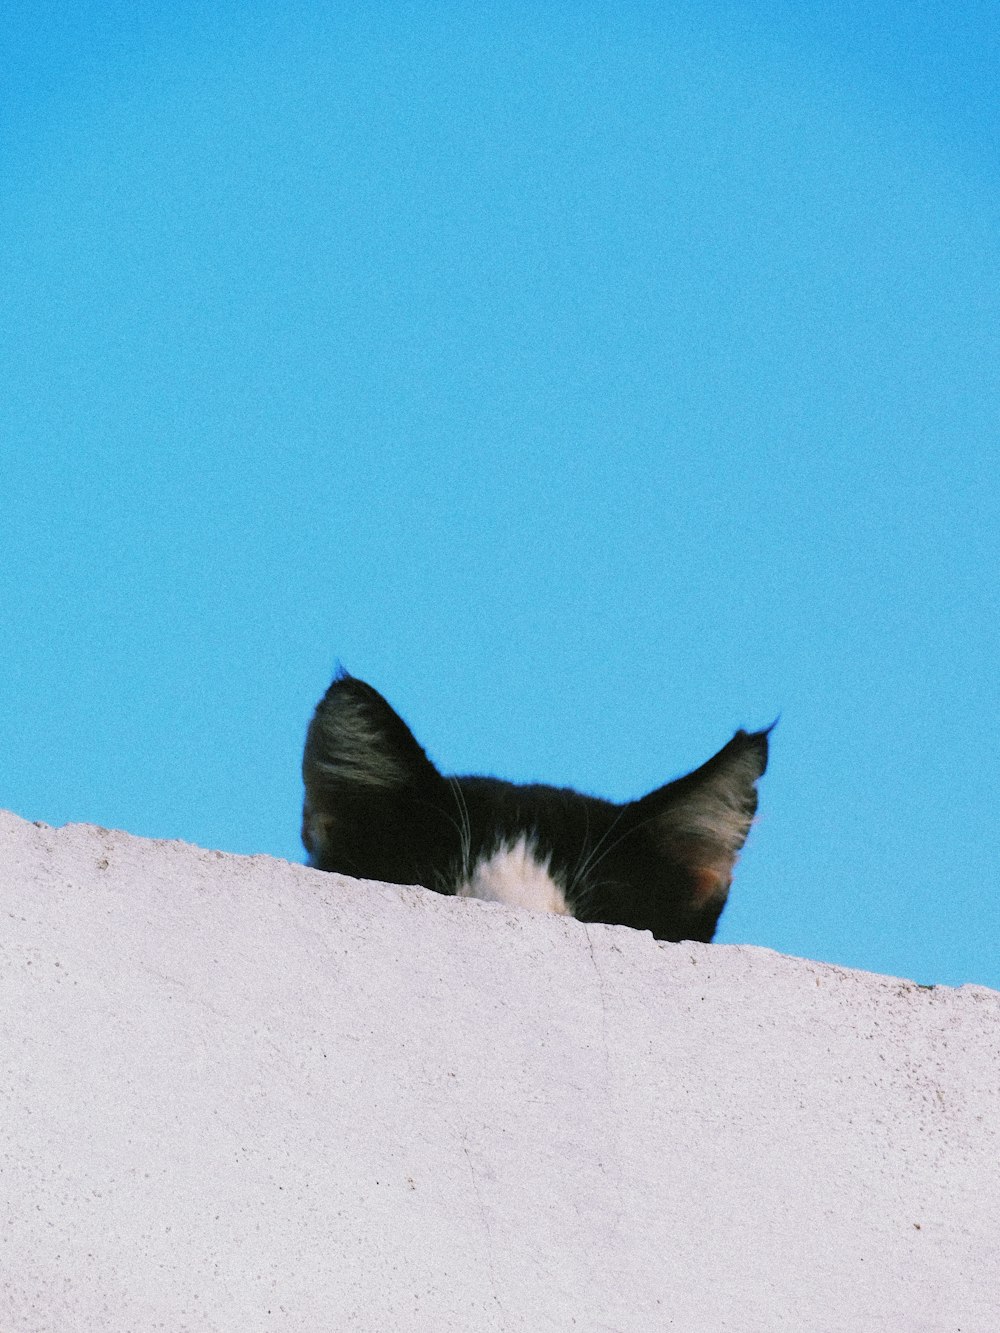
{"x": 700, "y": 822}
{"x": 358, "y": 750}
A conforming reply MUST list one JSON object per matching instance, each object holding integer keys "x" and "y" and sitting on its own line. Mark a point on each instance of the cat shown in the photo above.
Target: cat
{"x": 377, "y": 808}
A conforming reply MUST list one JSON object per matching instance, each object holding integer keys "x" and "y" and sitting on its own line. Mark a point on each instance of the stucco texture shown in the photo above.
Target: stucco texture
{"x": 239, "y": 1094}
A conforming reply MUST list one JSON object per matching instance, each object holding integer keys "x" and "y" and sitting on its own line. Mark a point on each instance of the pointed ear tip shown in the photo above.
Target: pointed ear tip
{"x": 754, "y": 741}
{"x": 341, "y": 675}
{"x": 762, "y": 734}
{"x": 343, "y": 685}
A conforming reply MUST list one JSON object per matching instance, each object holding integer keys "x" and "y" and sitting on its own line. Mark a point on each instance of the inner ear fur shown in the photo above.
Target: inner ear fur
{"x": 357, "y": 741}
{"x": 701, "y": 821}
{"x": 359, "y": 753}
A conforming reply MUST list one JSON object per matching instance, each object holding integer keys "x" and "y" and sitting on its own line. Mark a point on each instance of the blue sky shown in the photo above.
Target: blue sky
{"x": 591, "y": 379}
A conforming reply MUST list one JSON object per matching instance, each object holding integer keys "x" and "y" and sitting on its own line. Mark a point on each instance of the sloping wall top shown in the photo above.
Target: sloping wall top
{"x": 239, "y": 1094}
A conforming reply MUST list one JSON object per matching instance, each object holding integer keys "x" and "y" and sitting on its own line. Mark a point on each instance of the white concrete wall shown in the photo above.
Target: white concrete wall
{"x": 238, "y": 1094}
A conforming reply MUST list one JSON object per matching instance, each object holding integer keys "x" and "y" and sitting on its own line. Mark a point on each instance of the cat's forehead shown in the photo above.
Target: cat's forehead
{"x": 548, "y": 815}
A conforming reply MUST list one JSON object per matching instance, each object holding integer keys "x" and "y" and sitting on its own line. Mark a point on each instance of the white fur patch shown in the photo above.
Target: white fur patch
{"x": 516, "y": 876}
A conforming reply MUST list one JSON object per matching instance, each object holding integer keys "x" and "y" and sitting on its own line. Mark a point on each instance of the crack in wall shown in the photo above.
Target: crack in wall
{"x": 484, "y": 1218}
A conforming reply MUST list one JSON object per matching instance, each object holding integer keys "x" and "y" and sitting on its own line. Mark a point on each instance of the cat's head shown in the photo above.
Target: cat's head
{"x": 377, "y": 808}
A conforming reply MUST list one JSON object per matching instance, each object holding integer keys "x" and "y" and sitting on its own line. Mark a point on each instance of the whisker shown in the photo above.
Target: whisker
{"x": 595, "y": 856}
{"x": 575, "y": 874}
{"x": 595, "y": 860}
{"x": 590, "y": 889}
{"x": 465, "y": 833}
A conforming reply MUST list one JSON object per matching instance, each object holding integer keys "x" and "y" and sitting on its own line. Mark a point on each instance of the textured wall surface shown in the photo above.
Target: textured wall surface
{"x": 239, "y": 1094}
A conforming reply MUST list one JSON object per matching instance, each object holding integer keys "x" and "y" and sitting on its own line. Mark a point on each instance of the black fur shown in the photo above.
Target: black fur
{"x": 377, "y": 808}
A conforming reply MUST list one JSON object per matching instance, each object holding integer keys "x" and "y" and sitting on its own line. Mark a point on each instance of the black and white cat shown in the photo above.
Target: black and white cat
{"x": 377, "y": 808}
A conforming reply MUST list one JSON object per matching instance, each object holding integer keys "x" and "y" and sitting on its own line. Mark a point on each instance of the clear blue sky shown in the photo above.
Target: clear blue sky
{"x": 593, "y": 379}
